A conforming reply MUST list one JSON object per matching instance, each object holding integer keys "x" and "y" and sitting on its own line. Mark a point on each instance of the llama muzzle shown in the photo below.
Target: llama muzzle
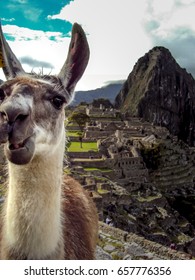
{"x": 16, "y": 132}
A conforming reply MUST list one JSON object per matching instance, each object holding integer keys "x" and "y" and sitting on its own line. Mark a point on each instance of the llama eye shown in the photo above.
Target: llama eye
{"x": 2, "y": 95}
{"x": 58, "y": 102}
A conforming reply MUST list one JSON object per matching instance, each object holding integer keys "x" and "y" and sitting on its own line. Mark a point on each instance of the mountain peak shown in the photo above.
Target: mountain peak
{"x": 160, "y": 91}
{"x": 160, "y": 49}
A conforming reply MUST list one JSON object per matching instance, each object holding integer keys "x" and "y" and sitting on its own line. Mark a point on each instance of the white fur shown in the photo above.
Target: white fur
{"x": 39, "y": 181}
{"x": 45, "y": 142}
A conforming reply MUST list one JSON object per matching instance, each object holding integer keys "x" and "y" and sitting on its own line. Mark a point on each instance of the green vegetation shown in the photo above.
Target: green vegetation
{"x": 97, "y": 169}
{"x": 183, "y": 224}
{"x": 151, "y": 155}
{"x": 182, "y": 238}
{"x": 159, "y": 232}
{"x": 67, "y": 171}
{"x": 86, "y": 146}
{"x": 115, "y": 256}
{"x": 110, "y": 240}
{"x": 80, "y": 118}
{"x": 76, "y": 133}
{"x": 100, "y": 179}
{"x": 69, "y": 124}
{"x": 101, "y": 191}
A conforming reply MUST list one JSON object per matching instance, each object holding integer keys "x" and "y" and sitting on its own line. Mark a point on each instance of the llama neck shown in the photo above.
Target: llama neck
{"x": 32, "y": 216}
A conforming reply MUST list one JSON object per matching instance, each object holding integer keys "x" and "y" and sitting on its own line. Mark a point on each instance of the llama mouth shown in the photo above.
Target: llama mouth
{"x": 18, "y": 146}
{"x": 21, "y": 153}
{"x": 13, "y": 147}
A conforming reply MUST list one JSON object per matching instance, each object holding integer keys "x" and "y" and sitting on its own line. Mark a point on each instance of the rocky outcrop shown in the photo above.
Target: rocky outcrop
{"x": 160, "y": 91}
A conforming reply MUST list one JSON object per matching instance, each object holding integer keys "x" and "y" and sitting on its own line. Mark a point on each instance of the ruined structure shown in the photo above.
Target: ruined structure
{"x": 139, "y": 177}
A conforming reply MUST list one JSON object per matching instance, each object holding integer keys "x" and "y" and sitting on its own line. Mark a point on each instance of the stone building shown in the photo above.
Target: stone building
{"x": 101, "y": 111}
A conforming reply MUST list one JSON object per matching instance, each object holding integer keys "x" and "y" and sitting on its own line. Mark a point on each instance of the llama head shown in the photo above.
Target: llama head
{"x": 32, "y": 106}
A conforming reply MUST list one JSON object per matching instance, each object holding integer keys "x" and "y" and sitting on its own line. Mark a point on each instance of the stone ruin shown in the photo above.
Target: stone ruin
{"x": 128, "y": 192}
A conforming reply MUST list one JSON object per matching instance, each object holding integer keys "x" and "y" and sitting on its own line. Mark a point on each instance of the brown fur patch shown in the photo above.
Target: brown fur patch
{"x": 81, "y": 222}
{"x": 80, "y": 226}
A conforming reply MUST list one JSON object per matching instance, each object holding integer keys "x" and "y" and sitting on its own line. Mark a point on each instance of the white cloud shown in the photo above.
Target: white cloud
{"x": 162, "y": 7}
{"x": 176, "y": 16}
{"x": 115, "y": 34}
{"x": 119, "y": 32}
{"x": 186, "y": 2}
{"x": 38, "y": 46}
{"x": 8, "y": 19}
{"x": 22, "y": 33}
{"x": 174, "y": 29}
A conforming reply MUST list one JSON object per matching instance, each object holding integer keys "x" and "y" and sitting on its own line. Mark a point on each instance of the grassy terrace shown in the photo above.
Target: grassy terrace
{"x": 103, "y": 170}
{"x": 70, "y": 133}
{"x": 76, "y": 147}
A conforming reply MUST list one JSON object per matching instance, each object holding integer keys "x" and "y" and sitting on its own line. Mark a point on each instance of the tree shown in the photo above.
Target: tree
{"x": 102, "y": 101}
{"x": 80, "y": 118}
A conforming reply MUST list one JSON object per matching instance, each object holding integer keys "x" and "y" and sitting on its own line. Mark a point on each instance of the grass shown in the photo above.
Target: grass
{"x": 183, "y": 238}
{"x": 74, "y": 133}
{"x": 97, "y": 169}
{"x": 86, "y": 146}
{"x": 100, "y": 191}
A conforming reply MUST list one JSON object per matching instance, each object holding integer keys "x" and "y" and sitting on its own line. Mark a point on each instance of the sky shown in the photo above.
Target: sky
{"x": 119, "y": 32}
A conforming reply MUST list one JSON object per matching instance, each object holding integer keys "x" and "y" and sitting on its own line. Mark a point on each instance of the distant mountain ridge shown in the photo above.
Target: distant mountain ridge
{"x": 161, "y": 92}
{"x": 108, "y": 92}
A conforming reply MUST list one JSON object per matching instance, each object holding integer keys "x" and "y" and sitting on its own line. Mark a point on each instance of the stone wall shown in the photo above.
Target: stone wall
{"x": 84, "y": 140}
{"x": 128, "y": 238}
{"x": 117, "y": 162}
{"x": 136, "y": 173}
{"x": 98, "y": 134}
{"x": 84, "y": 155}
{"x": 73, "y": 127}
{"x": 90, "y": 164}
{"x": 100, "y": 112}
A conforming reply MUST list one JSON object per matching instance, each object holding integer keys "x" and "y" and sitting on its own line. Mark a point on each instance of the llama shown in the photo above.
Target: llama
{"x": 44, "y": 216}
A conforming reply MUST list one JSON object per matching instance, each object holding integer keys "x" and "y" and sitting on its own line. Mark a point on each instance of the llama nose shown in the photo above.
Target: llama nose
{"x": 12, "y": 113}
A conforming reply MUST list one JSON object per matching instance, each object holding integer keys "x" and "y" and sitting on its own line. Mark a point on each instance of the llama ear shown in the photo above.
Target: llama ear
{"x": 8, "y": 61}
{"x": 77, "y": 60}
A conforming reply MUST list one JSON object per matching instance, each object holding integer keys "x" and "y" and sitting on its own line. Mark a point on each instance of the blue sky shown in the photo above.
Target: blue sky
{"x": 33, "y": 14}
{"x": 118, "y": 31}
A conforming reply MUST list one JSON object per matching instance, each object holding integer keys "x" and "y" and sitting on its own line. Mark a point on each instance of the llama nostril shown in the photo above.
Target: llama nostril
{"x": 9, "y": 119}
{"x": 11, "y": 115}
{"x": 21, "y": 117}
{"x": 4, "y": 116}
